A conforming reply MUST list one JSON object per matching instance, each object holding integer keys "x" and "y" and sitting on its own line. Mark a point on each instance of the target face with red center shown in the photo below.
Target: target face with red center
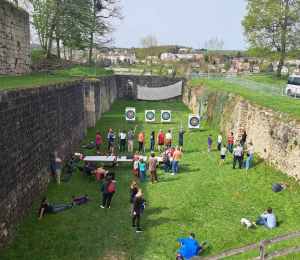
{"x": 165, "y": 115}
{"x": 194, "y": 122}
{"x": 130, "y": 114}
{"x": 150, "y": 115}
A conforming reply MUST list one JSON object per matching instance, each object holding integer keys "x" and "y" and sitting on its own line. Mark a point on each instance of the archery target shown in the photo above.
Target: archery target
{"x": 165, "y": 115}
{"x": 149, "y": 115}
{"x": 194, "y": 121}
{"x": 130, "y": 114}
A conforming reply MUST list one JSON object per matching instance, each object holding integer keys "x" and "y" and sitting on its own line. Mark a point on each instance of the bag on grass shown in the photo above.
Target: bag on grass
{"x": 277, "y": 187}
{"x": 81, "y": 200}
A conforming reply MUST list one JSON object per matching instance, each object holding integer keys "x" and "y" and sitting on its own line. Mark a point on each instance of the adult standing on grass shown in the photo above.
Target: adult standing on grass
{"x": 209, "y": 143}
{"x": 141, "y": 140}
{"x": 268, "y": 219}
{"x": 143, "y": 169}
{"x": 176, "y": 159}
{"x": 220, "y": 141}
{"x": 237, "y": 155}
{"x": 243, "y": 140}
{"x": 130, "y": 140}
{"x": 123, "y": 140}
{"x": 98, "y": 141}
{"x": 166, "y": 160}
{"x": 152, "y": 139}
{"x": 249, "y": 154}
{"x": 56, "y": 166}
{"x": 108, "y": 138}
{"x": 133, "y": 192}
{"x": 46, "y": 208}
{"x": 108, "y": 190}
{"x": 181, "y": 133}
{"x": 223, "y": 154}
{"x": 169, "y": 139}
{"x": 152, "y": 167}
{"x": 112, "y": 142}
{"x": 230, "y": 142}
{"x": 137, "y": 203}
{"x": 161, "y": 140}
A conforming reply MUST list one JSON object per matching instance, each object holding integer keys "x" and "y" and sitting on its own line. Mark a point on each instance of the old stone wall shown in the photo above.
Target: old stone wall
{"x": 275, "y": 136}
{"x": 108, "y": 93}
{"x": 14, "y": 40}
{"x": 127, "y": 85}
{"x": 33, "y": 123}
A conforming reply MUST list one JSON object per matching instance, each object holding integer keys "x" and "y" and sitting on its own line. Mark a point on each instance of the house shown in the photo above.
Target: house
{"x": 183, "y": 50}
{"x": 284, "y": 69}
{"x": 247, "y": 73}
{"x": 168, "y": 56}
{"x": 232, "y": 72}
{"x": 217, "y": 60}
{"x": 256, "y": 68}
{"x": 116, "y": 58}
{"x": 246, "y": 66}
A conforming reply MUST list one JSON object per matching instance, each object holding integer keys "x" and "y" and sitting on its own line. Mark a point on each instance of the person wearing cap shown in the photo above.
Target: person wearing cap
{"x": 161, "y": 140}
{"x": 267, "y": 218}
{"x": 169, "y": 139}
{"x": 189, "y": 247}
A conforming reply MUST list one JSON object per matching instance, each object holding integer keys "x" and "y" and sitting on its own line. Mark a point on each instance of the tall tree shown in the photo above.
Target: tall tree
{"x": 213, "y": 46}
{"x": 271, "y": 28}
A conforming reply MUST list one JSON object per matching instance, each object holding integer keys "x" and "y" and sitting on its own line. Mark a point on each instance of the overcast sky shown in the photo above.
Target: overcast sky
{"x": 185, "y": 22}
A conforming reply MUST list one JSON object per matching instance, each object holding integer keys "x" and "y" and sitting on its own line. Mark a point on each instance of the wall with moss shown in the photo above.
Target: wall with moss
{"x": 14, "y": 40}
{"x": 275, "y": 136}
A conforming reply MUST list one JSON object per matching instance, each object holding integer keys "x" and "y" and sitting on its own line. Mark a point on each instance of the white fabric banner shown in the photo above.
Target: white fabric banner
{"x": 171, "y": 91}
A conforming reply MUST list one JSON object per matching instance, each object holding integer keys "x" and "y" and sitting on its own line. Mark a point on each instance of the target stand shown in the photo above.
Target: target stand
{"x": 194, "y": 122}
{"x": 165, "y": 116}
{"x": 149, "y": 116}
{"x": 130, "y": 114}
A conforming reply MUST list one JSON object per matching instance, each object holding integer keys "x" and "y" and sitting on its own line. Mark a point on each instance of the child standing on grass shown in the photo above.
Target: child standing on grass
{"x": 143, "y": 168}
{"x": 209, "y": 142}
{"x": 223, "y": 154}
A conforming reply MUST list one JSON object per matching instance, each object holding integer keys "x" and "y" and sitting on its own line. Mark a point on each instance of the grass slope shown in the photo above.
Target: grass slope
{"x": 268, "y": 79}
{"x": 83, "y": 72}
{"x": 277, "y": 103}
{"x": 204, "y": 197}
{"x": 32, "y": 80}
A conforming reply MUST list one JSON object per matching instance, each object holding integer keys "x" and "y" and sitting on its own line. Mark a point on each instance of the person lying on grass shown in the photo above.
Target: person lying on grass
{"x": 189, "y": 247}
{"x": 101, "y": 173}
{"x": 46, "y": 208}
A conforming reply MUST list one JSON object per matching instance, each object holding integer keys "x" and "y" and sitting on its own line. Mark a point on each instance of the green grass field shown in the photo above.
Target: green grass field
{"x": 32, "y": 80}
{"x": 83, "y": 72}
{"x": 277, "y": 103}
{"x": 268, "y": 79}
{"x": 204, "y": 197}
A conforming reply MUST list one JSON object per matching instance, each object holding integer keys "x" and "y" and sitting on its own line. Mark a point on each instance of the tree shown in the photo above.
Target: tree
{"x": 213, "y": 47}
{"x": 264, "y": 66}
{"x": 246, "y": 60}
{"x": 271, "y": 28}
{"x": 239, "y": 55}
{"x": 227, "y": 66}
{"x": 270, "y": 69}
{"x": 149, "y": 47}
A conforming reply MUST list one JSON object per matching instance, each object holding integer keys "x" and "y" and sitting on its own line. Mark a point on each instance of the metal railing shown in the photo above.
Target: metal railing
{"x": 272, "y": 89}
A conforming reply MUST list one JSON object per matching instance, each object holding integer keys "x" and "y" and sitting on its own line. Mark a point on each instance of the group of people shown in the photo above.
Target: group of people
{"x": 238, "y": 152}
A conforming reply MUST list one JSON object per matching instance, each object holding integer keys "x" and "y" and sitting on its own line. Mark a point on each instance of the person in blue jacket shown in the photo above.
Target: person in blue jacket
{"x": 209, "y": 143}
{"x": 189, "y": 247}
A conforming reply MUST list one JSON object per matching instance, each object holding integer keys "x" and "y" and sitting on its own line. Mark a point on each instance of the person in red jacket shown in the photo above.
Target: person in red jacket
{"x": 161, "y": 140}
{"x": 230, "y": 142}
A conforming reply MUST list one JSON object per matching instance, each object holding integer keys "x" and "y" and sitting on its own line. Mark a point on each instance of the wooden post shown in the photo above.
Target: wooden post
{"x": 262, "y": 252}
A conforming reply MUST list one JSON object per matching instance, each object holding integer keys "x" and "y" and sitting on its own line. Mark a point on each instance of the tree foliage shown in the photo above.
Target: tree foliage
{"x": 271, "y": 28}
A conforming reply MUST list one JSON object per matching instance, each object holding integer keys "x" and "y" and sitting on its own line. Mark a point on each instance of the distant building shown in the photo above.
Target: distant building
{"x": 168, "y": 56}
{"x": 115, "y": 58}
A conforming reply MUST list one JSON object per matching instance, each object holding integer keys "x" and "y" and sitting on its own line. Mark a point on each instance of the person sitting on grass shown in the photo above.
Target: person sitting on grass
{"x": 46, "y": 208}
{"x": 267, "y": 218}
{"x": 101, "y": 174}
{"x": 189, "y": 247}
{"x": 88, "y": 169}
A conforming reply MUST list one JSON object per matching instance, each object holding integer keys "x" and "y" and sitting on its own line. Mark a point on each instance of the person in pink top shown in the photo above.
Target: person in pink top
{"x": 141, "y": 140}
{"x": 98, "y": 141}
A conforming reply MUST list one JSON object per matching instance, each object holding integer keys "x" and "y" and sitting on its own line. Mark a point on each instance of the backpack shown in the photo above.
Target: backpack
{"x": 277, "y": 187}
{"x": 136, "y": 165}
{"x": 165, "y": 157}
{"x": 111, "y": 188}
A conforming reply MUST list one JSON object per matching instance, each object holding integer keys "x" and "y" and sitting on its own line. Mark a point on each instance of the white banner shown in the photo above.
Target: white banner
{"x": 146, "y": 93}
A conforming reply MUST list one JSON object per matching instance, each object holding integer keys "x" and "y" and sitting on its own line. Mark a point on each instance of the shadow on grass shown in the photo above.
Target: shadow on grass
{"x": 158, "y": 222}
{"x": 157, "y": 210}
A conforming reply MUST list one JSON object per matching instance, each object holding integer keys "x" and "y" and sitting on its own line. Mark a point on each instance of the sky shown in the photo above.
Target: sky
{"x": 187, "y": 22}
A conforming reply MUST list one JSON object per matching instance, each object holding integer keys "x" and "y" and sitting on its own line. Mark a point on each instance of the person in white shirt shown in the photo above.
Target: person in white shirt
{"x": 169, "y": 139}
{"x": 123, "y": 140}
{"x": 223, "y": 154}
{"x": 220, "y": 141}
{"x": 250, "y": 153}
{"x": 268, "y": 219}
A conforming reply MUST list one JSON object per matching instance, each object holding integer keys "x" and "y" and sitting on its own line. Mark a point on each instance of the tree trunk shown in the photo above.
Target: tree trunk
{"x": 71, "y": 57}
{"x": 281, "y": 61}
{"x": 91, "y": 48}
{"x": 65, "y": 52}
{"x": 57, "y": 48}
{"x": 48, "y": 54}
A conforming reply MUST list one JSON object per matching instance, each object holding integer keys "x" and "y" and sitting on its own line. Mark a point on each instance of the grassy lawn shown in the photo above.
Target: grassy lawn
{"x": 32, "y": 80}
{"x": 277, "y": 103}
{"x": 268, "y": 79}
{"x": 83, "y": 72}
{"x": 204, "y": 197}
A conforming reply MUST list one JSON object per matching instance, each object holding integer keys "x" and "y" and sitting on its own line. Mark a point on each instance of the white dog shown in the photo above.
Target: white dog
{"x": 247, "y": 222}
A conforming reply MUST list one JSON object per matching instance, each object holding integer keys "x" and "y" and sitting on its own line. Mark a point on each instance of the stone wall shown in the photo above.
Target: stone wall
{"x": 14, "y": 40}
{"x": 127, "y": 85}
{"x": 33, "y": 123}
{"x": 275, "y": 136}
